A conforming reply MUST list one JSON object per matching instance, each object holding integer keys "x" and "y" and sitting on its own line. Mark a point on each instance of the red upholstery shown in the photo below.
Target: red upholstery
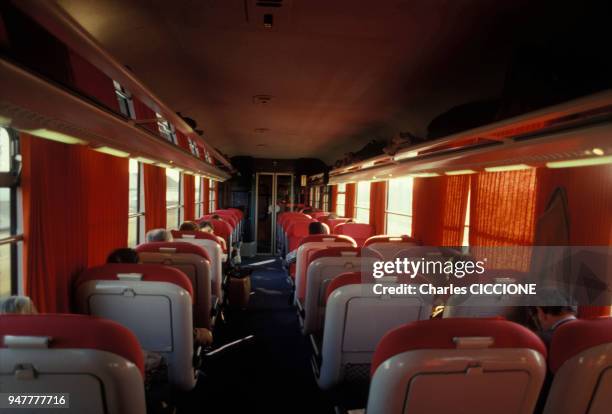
{"x": 294, "y": 219}
{"x": 331, "y": 238}
{"x": 389, "y": 239}
{"x": 150, "y": 273}
{"x": 180, "y": 247}
{"x": 332, "y": 223}
{"x": 202, "y": 235}
{"x": 222, "y": 229}
{"x": 439, "y": 334}
{"x": 296, "y": 231}
{"x": 343, "y": 279}
{"x": 228, "y": 217}
{"x": 572, "y": 338}
{"x": 317, "y": 214}
{"x": 335, "y": 252}
{"x": 358, "y": 231}
{"x": 75, "y": 332}
{"x": 237, "y": 212}
{"x": 283, "y": 217}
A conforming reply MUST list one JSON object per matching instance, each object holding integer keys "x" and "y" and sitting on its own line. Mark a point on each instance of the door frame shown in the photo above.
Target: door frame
{"x": 274, "y": 201}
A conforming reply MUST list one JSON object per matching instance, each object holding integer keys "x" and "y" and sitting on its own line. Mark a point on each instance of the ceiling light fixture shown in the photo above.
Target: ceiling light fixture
{"x": 582, "y": 162}
{"x": 55, "y": 136}
{"x": 112, "y": 151}
{"x": 460, "y": 172}
{"x": 514, "y": 167}
{"x": 425, "y": 175}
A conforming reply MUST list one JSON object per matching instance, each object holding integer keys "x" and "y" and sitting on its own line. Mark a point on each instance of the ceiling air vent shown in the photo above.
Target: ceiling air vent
{"x": 270, "y": 3}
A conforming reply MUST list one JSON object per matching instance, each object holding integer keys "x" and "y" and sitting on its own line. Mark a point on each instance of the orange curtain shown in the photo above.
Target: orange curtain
{"x": 438, "y": 209}
{"x": 206, "y": 196}
{"x": 502, "y": 213}
{"x": 378, "y": 202}
{"x": 189, "y": 196}
{"x": 589, "y": 198}
{"x": 155, "y": 197}
{"x": 349, "y": 206}
{"x": 333, "y": 203}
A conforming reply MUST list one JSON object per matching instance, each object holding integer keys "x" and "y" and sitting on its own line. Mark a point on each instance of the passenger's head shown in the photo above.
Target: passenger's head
{"x": 554, "y": 306}
{"x": 332, "y": 216}
{"x": 158, "y": 235}
{"x": 21, "y": 305}
{"x": 307, "y": 210}
{"x": 317, "y": 228}
{"x": 189, "y": 226}
{"x": 216, "y": 217}
{"x": 206, "y": 226}
{"x": 123, "y": 255}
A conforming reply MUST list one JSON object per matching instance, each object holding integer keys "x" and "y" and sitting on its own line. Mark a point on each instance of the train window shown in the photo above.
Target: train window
{"x": 317, "y": 197}
{"x": 193, "y": 147}
{"x": 466, "y": 223}
{"x": 136, "y": 205}
{"x": 362, "y": 206}
{"x": 166, "y": 129}
{"x": 126, "y": 104}
{"x": 10, "y": 237}
{"x": 173, "y": 198}
{"x": 212, "y": 197}
{"x": 399, "y": 206}
{"x": 341, "y": 200}
{"x": 326, "y": 190}
{"x": 198, "y": 197}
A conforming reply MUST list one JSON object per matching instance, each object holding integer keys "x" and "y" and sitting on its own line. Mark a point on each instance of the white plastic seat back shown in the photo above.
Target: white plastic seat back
{"x": 159, "y": 313}
{"x": 581, "y": 360}
{"x": 302, "y": 255}
{"x": 216, "y": 262}
{"x": 320, "y": 273}
{"x": 355, "y": 321}
{"x": 388, "y": 250}
{"x": 470, "y": 370}
{"x": 97, "y": 381}
{"x": 197, "y": 269}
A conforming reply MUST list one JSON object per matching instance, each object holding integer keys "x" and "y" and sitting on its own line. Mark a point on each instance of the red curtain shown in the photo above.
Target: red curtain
{"x": 75, "y": 213}
{"x": 333, "y": 203}
{"x": 189, "y": 196}
{"x": 438, "y": 209}
{"x": 378, "y": 202}
{"x": 206, "y": 196}
{"x": 589, "y": 198}
{"x": 55, "y": 236}
{"x": 349, "y": 206}
{"x": 155, "y": 197}
{"x": 502, "y": 213}
{"x": 182, "y": 141}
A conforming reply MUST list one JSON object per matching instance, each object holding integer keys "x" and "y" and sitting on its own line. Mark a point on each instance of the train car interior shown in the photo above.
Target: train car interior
{"x": 305, "y": 206}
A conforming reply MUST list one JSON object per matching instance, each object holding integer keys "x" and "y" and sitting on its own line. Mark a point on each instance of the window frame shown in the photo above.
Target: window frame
{"x": 180, "y": 205}
{"x": 357, "y": 207}
{"x": 166, "y": 129}
{"x": 389, "y": 212}
{"x": 343, "y": 204}
{"x": 212, "y": 196}
{"x": 197, "y": 192}
{"x": 10, "y": 179}
{"x": 124, "y": 97}
{"x": 140, "y": 214}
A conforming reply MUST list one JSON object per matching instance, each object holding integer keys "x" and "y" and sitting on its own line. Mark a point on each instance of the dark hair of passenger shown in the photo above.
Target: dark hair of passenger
{"x": 189, "y": 226}
{"x": 123, "y": 255}
{"x": 316, "y": 228}
{"x": 215, "y": 217}
{"x": 307, "y": 211}
{"x": 558, "y": 310}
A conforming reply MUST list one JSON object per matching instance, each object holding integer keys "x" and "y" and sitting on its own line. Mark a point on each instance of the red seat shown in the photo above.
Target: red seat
{"x": 98, "y": 362}
{"x": 581, "y": 359}
{"x": 296, "y": 231}
{"x": 195, "y": 263}
{"x": 68, "y": 331}
{"x": 384, "y": 238}
{"x": 332, "y": 223}
{"x": 198, "y": 235}
{"x": 223, "y": 230}
{"x": 174, "y": 247}
{"x": 480, "y": 365}
{"x": 149, "y": 272}
{"x": 228, "y": 217}
{"x": 343, "y": 279}
{"x": 358, "y": 231}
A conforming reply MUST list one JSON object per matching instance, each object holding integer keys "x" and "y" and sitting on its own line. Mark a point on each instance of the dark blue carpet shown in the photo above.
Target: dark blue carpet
{"x": 271, "y": 375}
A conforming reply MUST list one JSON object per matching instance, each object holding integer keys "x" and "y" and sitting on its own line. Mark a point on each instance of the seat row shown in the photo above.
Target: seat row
{"x": 124, "y": 309}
